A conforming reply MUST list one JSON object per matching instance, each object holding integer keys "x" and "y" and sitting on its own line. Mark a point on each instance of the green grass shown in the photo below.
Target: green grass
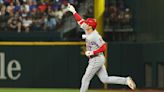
{"x": 68, "y": 90}
{"x": 49, "y": 90}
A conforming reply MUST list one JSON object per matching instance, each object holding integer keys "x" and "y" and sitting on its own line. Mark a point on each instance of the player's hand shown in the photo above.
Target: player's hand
{"x": 71, "y": 8}
{"x": 89, "y": 53}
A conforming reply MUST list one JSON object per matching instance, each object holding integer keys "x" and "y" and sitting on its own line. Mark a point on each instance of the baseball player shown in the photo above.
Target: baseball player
{"x": 95, "y": 47}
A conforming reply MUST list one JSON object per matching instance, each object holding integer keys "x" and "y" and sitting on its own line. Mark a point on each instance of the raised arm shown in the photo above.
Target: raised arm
{"x": 77, "y": 17}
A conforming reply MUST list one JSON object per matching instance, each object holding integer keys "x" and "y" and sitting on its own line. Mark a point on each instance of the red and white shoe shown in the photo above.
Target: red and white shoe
{"x": 131, "y": 83}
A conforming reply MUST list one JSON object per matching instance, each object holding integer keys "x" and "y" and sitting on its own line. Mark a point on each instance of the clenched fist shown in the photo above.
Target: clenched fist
{"x": 71, "y": 8}
{"x": 89, "y": 53}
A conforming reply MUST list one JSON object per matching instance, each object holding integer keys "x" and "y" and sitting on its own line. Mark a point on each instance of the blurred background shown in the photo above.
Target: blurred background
{"x": 41, "y": 44}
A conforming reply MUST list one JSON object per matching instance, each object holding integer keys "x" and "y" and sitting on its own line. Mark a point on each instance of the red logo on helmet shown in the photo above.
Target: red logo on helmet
{"x": 92, "y": 22}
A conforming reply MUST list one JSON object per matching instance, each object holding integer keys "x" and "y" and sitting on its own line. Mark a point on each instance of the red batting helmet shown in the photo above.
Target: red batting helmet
{"x": 92, "y": 22}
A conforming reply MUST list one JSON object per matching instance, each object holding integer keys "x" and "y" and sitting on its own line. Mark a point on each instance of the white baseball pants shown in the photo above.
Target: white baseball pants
{"x": 96, "y": 66}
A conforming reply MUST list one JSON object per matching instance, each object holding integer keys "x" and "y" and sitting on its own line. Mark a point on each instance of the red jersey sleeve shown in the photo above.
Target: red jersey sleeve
{"x": 101, "y": 49}
{"x": 78, "y": 18}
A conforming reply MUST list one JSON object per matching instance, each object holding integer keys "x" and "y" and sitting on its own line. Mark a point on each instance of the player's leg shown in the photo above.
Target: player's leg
{"x": 91, "y": 70}
{"x": 102, "y": 74}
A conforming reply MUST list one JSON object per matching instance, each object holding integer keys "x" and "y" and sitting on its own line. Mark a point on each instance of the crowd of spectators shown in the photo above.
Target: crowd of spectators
{"x": 117, "y": 15}
{"x": 118, "y": 21}
{"x": 32, "y": 15}
{"x": 89, "y": 13}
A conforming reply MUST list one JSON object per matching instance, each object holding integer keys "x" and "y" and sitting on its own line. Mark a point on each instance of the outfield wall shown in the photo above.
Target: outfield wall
{"x": 62, "y": 64}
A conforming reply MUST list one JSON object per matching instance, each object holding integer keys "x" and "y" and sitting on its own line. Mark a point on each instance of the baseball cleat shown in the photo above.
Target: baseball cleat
{"x": 131, "y": 83}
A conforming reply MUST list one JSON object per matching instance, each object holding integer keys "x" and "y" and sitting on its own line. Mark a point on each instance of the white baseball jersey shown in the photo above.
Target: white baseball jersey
{"x": 93, "y": 40}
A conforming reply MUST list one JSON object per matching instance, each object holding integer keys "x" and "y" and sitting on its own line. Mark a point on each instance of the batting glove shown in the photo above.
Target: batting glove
{"x": 71, "y": 8}
{"x": 89, "y": 53}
